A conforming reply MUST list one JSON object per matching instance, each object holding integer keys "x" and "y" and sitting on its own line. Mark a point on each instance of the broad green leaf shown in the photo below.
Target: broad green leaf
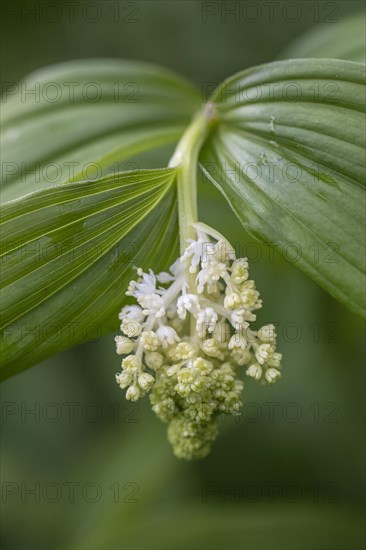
{"x": 78, "y": 120}
{"x": 68, "y": 253}
{"x": 288, "y": 153}
{"x": 334, "y": 39}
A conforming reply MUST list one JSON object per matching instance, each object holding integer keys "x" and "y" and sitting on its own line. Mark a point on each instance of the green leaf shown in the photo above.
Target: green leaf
{"x": 288, "y": 153}
{"x": 78, "y": 120}
{"x": 343, "y": 40}
{"x": 68, "y": 253}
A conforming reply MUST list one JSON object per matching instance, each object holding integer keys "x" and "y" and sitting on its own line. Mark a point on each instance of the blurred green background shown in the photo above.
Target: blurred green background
{"x": 85, "y": 469}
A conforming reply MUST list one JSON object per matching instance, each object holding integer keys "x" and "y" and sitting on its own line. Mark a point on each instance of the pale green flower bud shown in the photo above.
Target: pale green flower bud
{"x": 191, "y": 440}
{"x": 124, "y": 345}
{"x": 249, "y": 297}
{"x": 146, "y": 381}
{"x": 239, "y": 271}
{"x": 241, "y": 357}
{"x": 203, "y": 366}
{"x": 254, "y": 371}
{"x": 149, "y": 340}
{"x": 267, "y": 334}
{"x": 212, "y": 348}
{"x": 237, "y": 341}
{"x": 172, "y": 371}
{"x": 232, "y": 300}
{"x": 154, "y": 360}
{"x": 272, "y": 375}
{"x": 131, "y": 363}
{"x": 182, "y": 351}
{"x": 263, "y": 352}
{"x": 124, "y": 379}
{"x": 133, "y": 393}
{"x": 131, "y": 328}
{"x": 274, "y": 360}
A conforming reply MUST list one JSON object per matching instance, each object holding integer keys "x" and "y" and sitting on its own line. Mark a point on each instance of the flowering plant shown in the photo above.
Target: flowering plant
{"x": 283, "y": 142}
{"x": 194, "y": 333}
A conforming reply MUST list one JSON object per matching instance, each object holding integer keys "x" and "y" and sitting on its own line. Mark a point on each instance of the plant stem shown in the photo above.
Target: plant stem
{"x": 185, "y": 158}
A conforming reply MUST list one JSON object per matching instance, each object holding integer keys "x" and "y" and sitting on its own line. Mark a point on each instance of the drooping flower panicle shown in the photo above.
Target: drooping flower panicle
{"x": 188, "y": 338}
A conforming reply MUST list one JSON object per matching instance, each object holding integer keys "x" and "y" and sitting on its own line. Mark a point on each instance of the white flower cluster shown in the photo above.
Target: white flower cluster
{"x": 187, "y": 337}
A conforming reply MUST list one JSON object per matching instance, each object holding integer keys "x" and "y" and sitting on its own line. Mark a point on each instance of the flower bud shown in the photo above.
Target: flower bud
{"x": 131, "y": 363}
{"x": 263, "y": 352}
{"x": 254, "y": 371}
{"x": 239, "y": 271}
{"x": 124, "y": 345}
{"x": 153, "y": 360}
{"x": 149, "y": 340}
{"x": 133, "y": 393}
{"x": 267, "y": 334}
{"x": 131, "y": 327}
{"x": 272, "y": 375}
{"x": 146, "y": 381}
{"x": 124, "y": 379}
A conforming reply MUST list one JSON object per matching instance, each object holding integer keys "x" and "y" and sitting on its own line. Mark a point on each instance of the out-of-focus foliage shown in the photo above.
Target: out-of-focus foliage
{"x": 345, "y": 40}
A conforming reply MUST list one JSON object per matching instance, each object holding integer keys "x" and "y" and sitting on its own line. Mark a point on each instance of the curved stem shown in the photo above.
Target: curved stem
{"x": 185, "y": 158}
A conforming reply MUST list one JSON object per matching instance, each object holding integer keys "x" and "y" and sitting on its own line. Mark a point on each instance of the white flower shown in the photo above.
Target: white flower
{"x": 272, "y": 375}
{"x": 202, "y": 365}
{"x": 210, "y": 274}
{"x": 133, "y": 312}
{"x": 124, "y": 379}
{"x": 237, "y": 341}
{"x": 263, "y": 352}
{"x": 275, "y": 360}
{"x": 241, "y": 357}
{"x": 131, "y": 328}
{"x": 232, "y": 300}
{"x": 174, "y": 269}
{"x": 133, "y": 393}
{"x": 206, "y": 321}
{"x": 152, "y": 304}
{"x": 145, "y": 285}
{"x": 254, "y": 371}
{"x": 172, "y": 371}
{"x": 167, "y": 336}
{"x": 124, "y": 345}
{"x": 194, "y": 251}
{"x": 237, "y": 318}
{"x": 212, "y": 348}
{"x": 146, "y": 381}
{"x": 239, "y": 324}
{"x": 187, "y": 302}
{"x": 250, "y": 297}
{"x": 149, "y": 340}
{"x": 223, "y": 252}
{"x": 267, "y": 334}
{"x": 182, "y": 351}
{"x": 154, "y": 360}
{"x": 165, "y": 277}
{"x": 239, "y": 271}
{"x": 131, "y": 363}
